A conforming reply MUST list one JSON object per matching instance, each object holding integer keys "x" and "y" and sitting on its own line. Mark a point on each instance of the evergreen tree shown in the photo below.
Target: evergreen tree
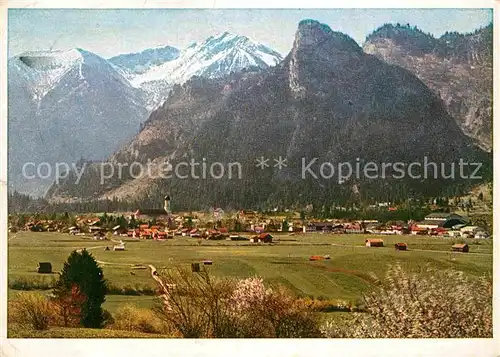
{"x": 122, "y": 222}
{"x": 21, "y": 221}
{"x": 188, "y": 223}
{"x": 284, "y": 226}
{"x": 132, "y": 223}
{"x": 237, "y": 226}
{"x": 82, "y": 272}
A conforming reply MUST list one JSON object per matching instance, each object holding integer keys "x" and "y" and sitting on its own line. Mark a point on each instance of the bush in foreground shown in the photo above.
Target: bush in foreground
{"x": 261, "y": 312}
{"x": 433, "y": 304}
{"x": 195, "y": 304}
{"x": 199, "y": 305}
{"x": 31, "y": 311}
{"x": 132, "y": 318}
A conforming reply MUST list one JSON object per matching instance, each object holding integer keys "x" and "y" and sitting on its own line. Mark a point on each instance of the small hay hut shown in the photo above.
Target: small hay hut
{"x": 265, "y": 238}
{"x": 44, "y": 268}
{"x": 401, "y": 246}
{"x": 464, "y": 248}
{"x": 374, "y": 243}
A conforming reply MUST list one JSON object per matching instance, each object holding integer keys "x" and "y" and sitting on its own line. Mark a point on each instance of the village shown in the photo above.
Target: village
{"x": 250, "y": 226}
{"x": 435, "y": 224}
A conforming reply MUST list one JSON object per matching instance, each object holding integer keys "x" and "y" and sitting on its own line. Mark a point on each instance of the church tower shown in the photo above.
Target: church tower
{"x": 166, "y": 205}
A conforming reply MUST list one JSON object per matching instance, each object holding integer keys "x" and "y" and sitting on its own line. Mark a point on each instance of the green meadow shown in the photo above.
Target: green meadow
{"x": 351, "y": 270}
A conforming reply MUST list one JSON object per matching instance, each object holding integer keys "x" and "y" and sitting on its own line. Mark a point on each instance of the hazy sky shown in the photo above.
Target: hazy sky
{"x": 110, "y": 32}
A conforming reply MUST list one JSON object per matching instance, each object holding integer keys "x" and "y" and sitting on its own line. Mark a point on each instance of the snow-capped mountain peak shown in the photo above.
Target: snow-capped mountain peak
{"x": 67, "y": 105}
{"x": 140, "y": 62}
{"x": 41, "y": 71}
{"x": 215, "y": 45}
{"x": 215, "y": 57}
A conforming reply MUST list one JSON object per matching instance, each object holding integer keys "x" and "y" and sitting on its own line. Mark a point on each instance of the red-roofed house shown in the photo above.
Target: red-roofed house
{"x": 161, "y": 235}
{"x": 262, "y": 238}
{"x": 374, "y": 243}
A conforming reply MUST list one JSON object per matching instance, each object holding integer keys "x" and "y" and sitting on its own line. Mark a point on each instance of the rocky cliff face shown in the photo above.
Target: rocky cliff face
{"x": 327, "y": 100}
{"x": 457, "y": 67}
{"x": 317, "y": 46}
{"x": 64, "y": 105}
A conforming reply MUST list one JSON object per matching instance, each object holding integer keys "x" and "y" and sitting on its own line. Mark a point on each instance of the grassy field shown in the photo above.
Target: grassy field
{"x": 16, "y": 331}
{"x": 352, "y": 269}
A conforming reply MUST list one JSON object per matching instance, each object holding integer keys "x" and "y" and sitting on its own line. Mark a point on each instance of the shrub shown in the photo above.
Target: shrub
{"x": 31, "y": 310}
{"x": 440, "y": 304}
{"x": 288, "y": 317}
{"x": 39, "y": 283}
{"x": 262, "y": 312}
{"x": 131, "y": 318}
{"x": 107, "y": 318}
{"x": 198, "y": 305}
{"x": 70, "y": 306}
{"x": 129, "y": 290}
{"x": 327, "y": 305}
{"x": 195, "y": 304}
{"x": 340, "y": 326}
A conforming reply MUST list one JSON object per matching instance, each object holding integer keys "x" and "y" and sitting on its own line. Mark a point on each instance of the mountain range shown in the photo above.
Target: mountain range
{"x": 457, "y": 67}
{"x": 327, "y": 99}
{"x": 75, "y": 104}
{"x": 215, "y": 57}
{"x": 59, "y": 111}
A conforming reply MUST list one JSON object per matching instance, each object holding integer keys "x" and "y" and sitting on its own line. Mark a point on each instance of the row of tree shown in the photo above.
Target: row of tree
{"x": 20, "y": 203}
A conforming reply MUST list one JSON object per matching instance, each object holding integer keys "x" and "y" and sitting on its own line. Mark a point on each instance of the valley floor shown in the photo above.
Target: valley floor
{"x": 352, "y": 270}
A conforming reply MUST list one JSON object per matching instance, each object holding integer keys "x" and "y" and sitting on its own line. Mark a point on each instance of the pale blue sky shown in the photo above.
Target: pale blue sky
{"x": 110, "y": 32}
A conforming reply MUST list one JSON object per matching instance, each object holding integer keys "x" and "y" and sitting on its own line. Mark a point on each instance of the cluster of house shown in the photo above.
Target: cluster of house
{"x": 43, "y": 226}
{"x": 448, "y": 224}
{"x": 157, "y": 232}
{"x": 165, "y": 225}
{"x": 90, "y": 224}
{"x": 34, "y": 225}
{"x": 436, "y": 224}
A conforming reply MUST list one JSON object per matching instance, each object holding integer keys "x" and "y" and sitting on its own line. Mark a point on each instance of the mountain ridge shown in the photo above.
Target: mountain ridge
{"x": 215, "y": 57}
{"x": 348, "y": 103}
{"x": 42, "y": 83}
{"x": 140, "y": 62}
{"x": 457, "y": 67}
{"x": 39, "y": 111}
